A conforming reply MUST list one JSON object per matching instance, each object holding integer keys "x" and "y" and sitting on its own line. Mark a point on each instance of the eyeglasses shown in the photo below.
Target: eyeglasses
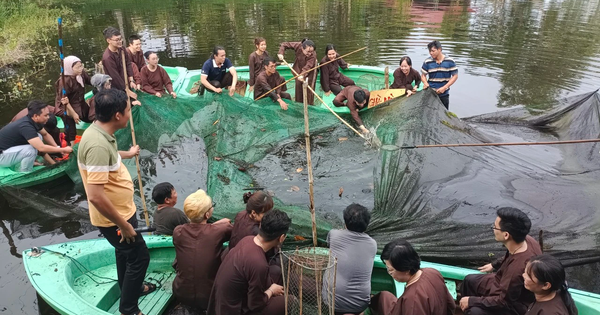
{"x": 495, "y": 228}
{"x": 117, "y": 39}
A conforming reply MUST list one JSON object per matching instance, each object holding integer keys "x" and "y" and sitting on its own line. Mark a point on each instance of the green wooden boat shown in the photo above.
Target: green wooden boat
{"x": 79, "y": 278}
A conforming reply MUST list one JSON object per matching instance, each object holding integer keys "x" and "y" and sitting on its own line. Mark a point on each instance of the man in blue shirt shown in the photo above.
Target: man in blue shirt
{"x": 214, "y": 75}
{"x": 442, "y": 72}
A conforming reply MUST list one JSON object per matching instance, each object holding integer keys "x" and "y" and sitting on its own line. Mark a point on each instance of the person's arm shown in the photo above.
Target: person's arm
{"x": 39, "y": 145}
{"x": 146, "y": 86}
{"x": 310, "y": 63}
{"x": 397, "y": 80}
{"x": 234, "y": 81}
{"x": 339, "y": 100}
{"x": 251, "y": 62}
{"x": 86, "y": 78}
{"x": 225, "y": 228}
{"x": 354, "y": 112}
{"x": 417, "y": 79}
{"x": 259, "y": 291}
{"x": 167, "y": 81}
{"x": 64, "y": 103}
{"x": 424, "y": 76}
{"x": 48, "y": 138}
{"x": 286, "y": 45}
{"x": 128, "y": 65}
{"x": 204, "y": 77}
{"x": 447, "y": 85}
{"x": 343, "y": 64}
{"x": 133, "y": 151}
{"x": 325, "y": 78}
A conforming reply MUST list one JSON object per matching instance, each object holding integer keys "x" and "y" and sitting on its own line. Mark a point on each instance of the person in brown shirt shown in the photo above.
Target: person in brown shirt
{"x": 268, "y": 79}
{"x": 425, "y": 292}
{"x": 306, "y": 59}
{"x": 255, "y": 60}
{"x": 242, "y": 284}
{"x": 405, "y": 75}
{"x": 545, "y": 277}
{"x": 154, "y": 78}
{"x": 247, "y": 222}
{"x": 198, "y": 247}
{"x": 70, "y": 102}
{"x": 112, "y": 62}
{"x": 356, "y": 98}
{"x": 503, "y": 292}
{"x": 331, "y": 78}
{"x": 136, "y": 56}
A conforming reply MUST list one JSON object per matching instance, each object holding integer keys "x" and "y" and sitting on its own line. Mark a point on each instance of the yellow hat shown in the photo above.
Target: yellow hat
{"x": 196, "y": 205}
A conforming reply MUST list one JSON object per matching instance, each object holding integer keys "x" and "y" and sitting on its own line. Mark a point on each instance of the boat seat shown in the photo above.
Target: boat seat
{"x": 450, "y": 284}
{"x": 156, "y": 302}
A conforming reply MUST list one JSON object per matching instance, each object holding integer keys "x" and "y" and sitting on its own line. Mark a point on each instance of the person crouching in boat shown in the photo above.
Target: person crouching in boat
{"x": 154, "y": 77}
{"x": 306, "y": 59}
{"x": 405, "y": 75}
{"x": 356, "y": 98}
{"x": 255, "y": 60}
{"x": 214, "y": 75}
{"x": 544, "y": 276}
{"x": 243, "y": 284}
{"x": 198, "y": 247}
{"x": 70, "y": 102}
{"x": 166, "y": 216}
{"x": 331, "y": 78}
{"x": 425, "y": 292}
{"x": 21, "y": 140}
{"x": 268, "y": 79}
{"x": 51, "y": 126}
{"x": 503, "y": 292}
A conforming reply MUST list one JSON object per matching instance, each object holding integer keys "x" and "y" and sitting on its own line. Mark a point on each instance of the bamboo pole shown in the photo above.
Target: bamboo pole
{"x": 300, "y": 288}
{"x": 334, "y": 278}
{"x": 287, "y": 287}
{"x": 497, "y": 144}
{"x": 311, "y": 192}
{"x": 329, "y": 108}
{"x": 387, "y": 77}
{"x": 137, "y": 157}
{"x": 309, "y": 70}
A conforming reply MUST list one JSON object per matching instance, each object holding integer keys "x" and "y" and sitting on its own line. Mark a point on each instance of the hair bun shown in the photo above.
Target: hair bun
{"x": 247, "y": 196}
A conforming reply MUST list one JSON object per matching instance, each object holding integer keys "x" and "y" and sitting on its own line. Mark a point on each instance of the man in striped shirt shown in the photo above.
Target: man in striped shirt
{"x": 442, "y": 72}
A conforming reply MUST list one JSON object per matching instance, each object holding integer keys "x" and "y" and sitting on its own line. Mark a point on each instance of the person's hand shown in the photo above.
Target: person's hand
{"x": 364, "y": 129}
{"x": 174, "y": 94}
{"x": 66, "y": 150}
{"x": 301, "y": 78}
{"x": 64, "y": 100}
{"x": 464, "y": 303}
{"x": 231, "y": 91}
{"x": 486, "y": 268}
{"x": 409, "y": 93}
{"x": 425, "y": 85}
{"x": 218, "y": 90}
{"x": 280, "y": 56}
{"x": 251, "y": 88}
{"x": 158, "y": 94}
{"x": 134, "y": 150}
{"x": 127, "y": 233}
{"x": 283, "y": 104}
{"x": 224, "y": 220}
{"x": 136, "y": 103}
{"x": 138, "y": 87}
{"x": 348, "y": 64}
{"x": 327, "y": 93}
{"x": 132, "y": 85}
{"x": 76, "y": 118}
{"x": 441, "y": 90}
{"x": 276, "y": 289}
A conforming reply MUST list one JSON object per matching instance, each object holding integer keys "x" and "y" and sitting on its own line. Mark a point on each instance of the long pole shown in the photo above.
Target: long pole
{"x": 331, "y": 110}
{"x": 309, "y": 166}
{"x": 137, "y": 157}
{"x": 497, "y": 144}
{"x": 314, "y": 68}
{"x": 62, "y": 65}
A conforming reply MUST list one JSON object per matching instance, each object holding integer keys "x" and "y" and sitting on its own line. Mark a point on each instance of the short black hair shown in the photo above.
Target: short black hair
{"x": 515, "y": 222}
{"x": 108, "y": 103}
{"x": 148, "y": 53}
{"x": 408, "y": 61}
{"x": 402, "y": 256}
{"x": 216, "y": 51}
{"x": 110, "y": 31}
{"x": 35, "y": 107}
{"x": 274, "y": 224}
{"x": 360, "y": 96}
{"x": 161, "y": 192}
{"x": 132, "y": 38}
{"x": 51, "y": 123}
{"x": 267, "y": 61}
{"x": 434, "y": 44}
{"x": 307, "y": 42}
{"x": 356, "y": 218}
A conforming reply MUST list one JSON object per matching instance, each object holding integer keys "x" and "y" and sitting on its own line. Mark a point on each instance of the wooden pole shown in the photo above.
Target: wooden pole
{"x": 300, "y": 288}
{"x": 329, "y": 108}
{"x": 541, "y": 240}
{"x": 334, "y": 278}
{"x": 314, "y": 68}
{"x": 497, "y": 144}
{"x": 287, "y": 287}
{"x": 137, "y": 157}
{"x": 387, "y": 77}
{"x": 311, "y": 193}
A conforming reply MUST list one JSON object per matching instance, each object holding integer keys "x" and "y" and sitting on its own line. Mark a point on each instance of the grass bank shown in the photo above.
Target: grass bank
{"x": 23, "y": 25}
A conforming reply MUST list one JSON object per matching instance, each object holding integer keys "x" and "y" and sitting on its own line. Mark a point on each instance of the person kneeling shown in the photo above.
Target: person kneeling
{"x": 154, "y": 77}
{"x": 425, "y": 292}
{"x": 198, "y": 247}
{"x": 268, "y": 79}
{"x": 243, "y": 285}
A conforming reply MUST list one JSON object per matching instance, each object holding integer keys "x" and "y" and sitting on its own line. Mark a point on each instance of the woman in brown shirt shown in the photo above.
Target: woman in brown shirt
{"x": 247, "y": 221}
{"x": 405, "y": 75}
{"x": 71, "y": 106}
{"x": 306, "y": 59}
{"x": 425, "y": 292}
{"x": 255, "y": 60}
{"x": 154, "y": 78}
{"x": 331, "y": 78}
{"x": 544, "y": 276}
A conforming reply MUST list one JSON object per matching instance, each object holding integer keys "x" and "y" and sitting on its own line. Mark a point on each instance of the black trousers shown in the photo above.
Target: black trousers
{"x": 132, "y": 263}
{"x": 445, "y": 100}
{"x": 225, "y": 81}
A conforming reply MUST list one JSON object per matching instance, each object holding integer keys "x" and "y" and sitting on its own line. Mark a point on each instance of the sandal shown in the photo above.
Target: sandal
{"x": 151, "y": 288}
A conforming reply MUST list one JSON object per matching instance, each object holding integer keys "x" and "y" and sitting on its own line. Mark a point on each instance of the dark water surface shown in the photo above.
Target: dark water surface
{"x": 509, "y": 53}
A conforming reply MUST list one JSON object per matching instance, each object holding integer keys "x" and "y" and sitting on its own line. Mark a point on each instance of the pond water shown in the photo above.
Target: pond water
{"x": 508, "y": 52}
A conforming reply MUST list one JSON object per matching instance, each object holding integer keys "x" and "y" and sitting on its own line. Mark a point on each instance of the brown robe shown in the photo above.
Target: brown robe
{"x": 402, "y": 81}
{"x": 137, "y": 63}
{"x": 113, "y": 66}
{"x": 330, "y": 75}
{"x": 348, "y": 94}
{"x": 241, "y": 282}
{"x": 556, "y": 306}
{"x": 503, "y": 292}
{"x": 198, "y": 250}
{"x": 427, "y": 296}
{"x": 255, "y": 66}
{"x": 76, "y": 94}
{"x": 243, "y": 226}
{"x": 302, "y": 63}
{"x": 155, "y": 81}
{"x": 264, "y": 83}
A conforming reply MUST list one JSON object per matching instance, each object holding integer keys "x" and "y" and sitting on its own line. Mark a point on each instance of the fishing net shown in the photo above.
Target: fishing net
{"x": 309, "y": 281}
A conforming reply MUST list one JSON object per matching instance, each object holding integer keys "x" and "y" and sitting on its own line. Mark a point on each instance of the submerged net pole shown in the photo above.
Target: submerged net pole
{"x": 387, "y": 77}
{"x": 309, "y": 166}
